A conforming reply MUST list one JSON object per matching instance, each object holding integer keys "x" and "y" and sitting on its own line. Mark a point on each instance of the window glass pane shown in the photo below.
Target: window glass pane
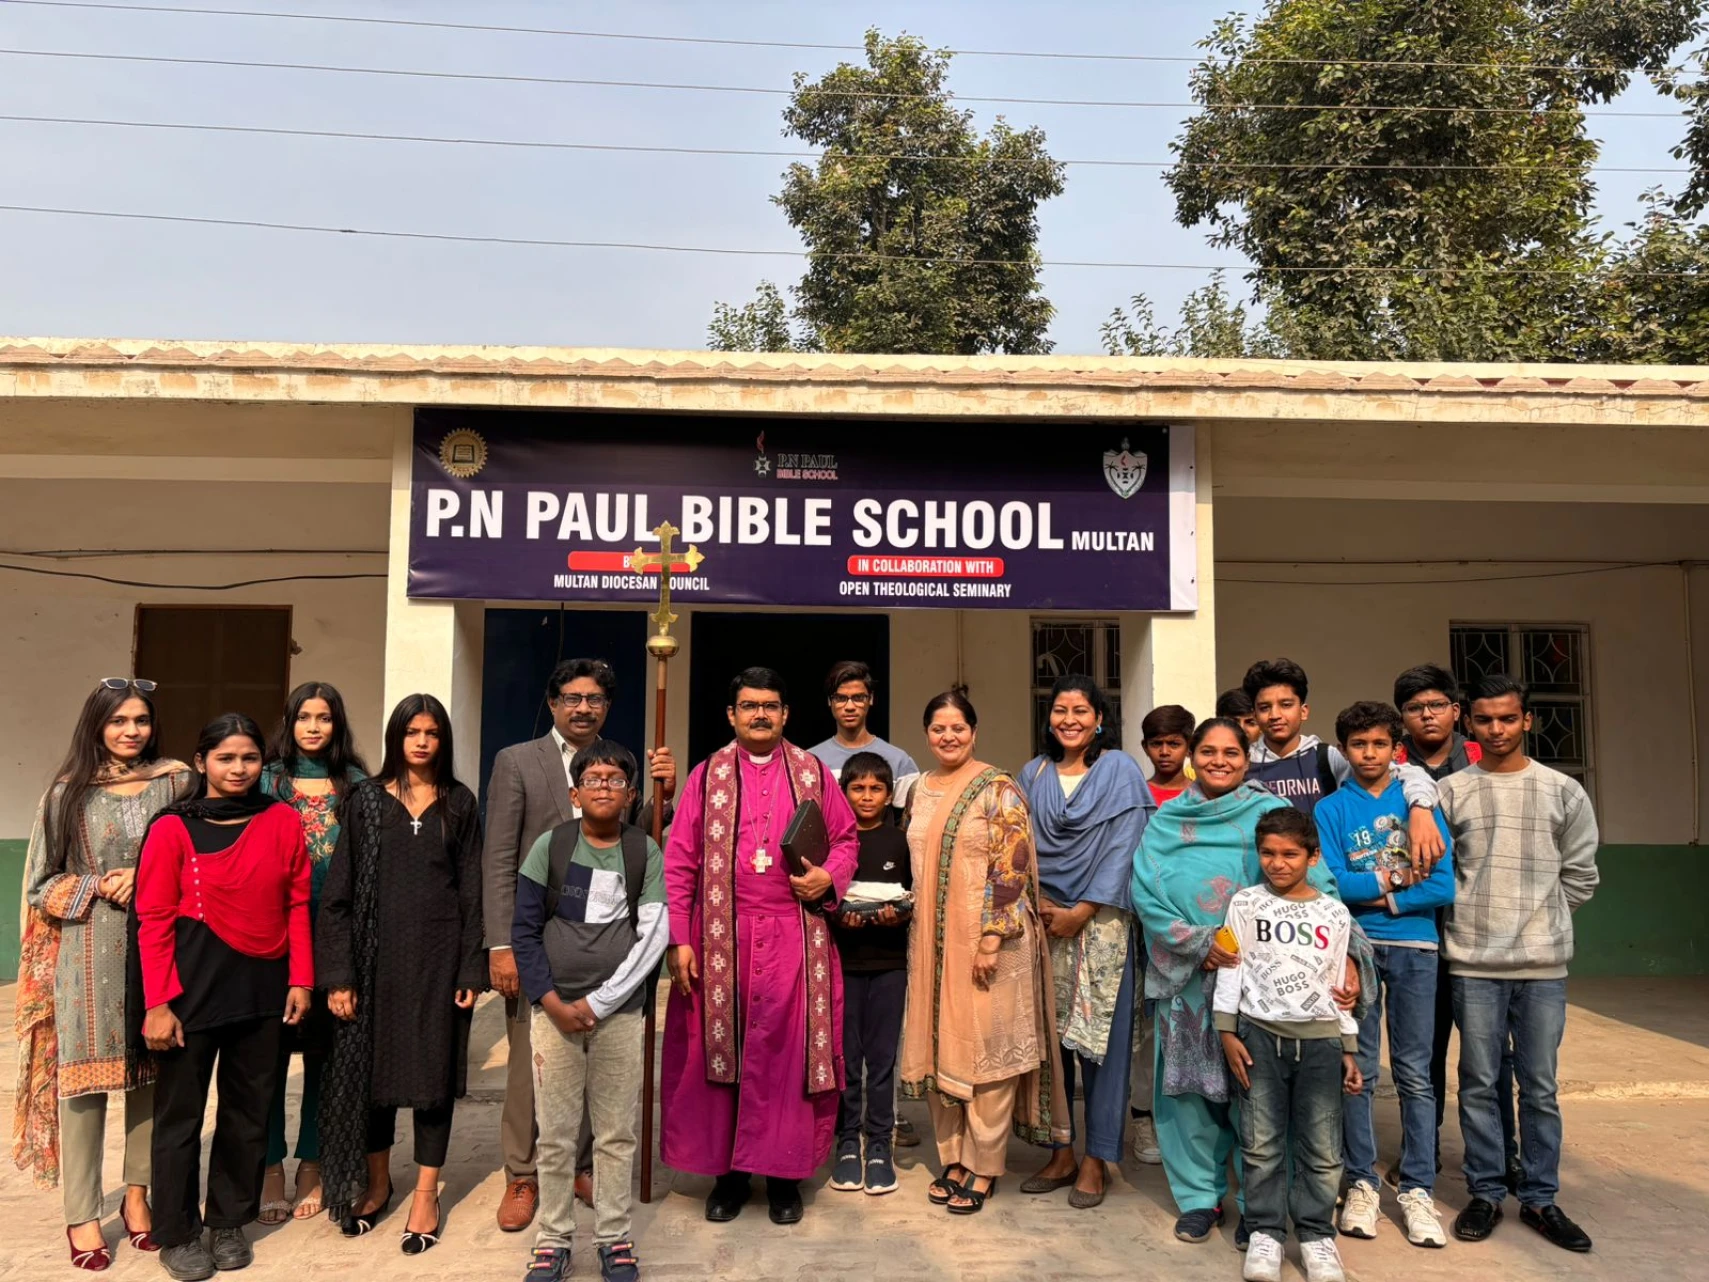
{"x": 1557, "y": 734}
{"x": 1552, "y": 660}
{"x": 1477, "y": 653}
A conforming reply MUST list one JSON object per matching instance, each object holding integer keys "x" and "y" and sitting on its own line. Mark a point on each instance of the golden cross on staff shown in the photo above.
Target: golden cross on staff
{"x": 661, "y": 645}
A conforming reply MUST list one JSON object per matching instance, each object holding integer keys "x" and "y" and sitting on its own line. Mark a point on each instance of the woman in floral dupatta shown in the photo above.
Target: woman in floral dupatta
{"x": 978, "y": 1040}
{"x": 76, "y": 1042}
{"x": 1197, "y": 851}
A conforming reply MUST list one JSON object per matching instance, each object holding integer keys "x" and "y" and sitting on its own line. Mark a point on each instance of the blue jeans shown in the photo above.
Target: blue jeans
{"x": 1107, "y": 1084}
{"x": 1439, "y": 1066}
{"x": 1293, "y": 1105}
{"x": 1408, "y": 990}
{"x": 1533, "y": 1012}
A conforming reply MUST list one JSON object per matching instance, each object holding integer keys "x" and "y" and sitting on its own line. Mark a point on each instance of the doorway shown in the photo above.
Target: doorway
{"x": 802, "y": 647}
{"x": 210, "y": 660}
{"x": 522, "y": 648}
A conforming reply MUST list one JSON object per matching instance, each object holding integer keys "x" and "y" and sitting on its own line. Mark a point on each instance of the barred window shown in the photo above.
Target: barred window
{"x": 1074, "y": 647}
{"x": 1554, "y": 661}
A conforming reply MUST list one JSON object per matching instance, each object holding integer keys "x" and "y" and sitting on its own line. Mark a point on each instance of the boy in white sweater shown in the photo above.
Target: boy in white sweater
{"x": 1289, "y": 1047}
{"x": 1525, "y": 841}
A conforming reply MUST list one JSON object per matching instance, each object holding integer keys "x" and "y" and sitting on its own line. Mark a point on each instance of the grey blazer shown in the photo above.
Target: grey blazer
{"x": 527, "y": 796}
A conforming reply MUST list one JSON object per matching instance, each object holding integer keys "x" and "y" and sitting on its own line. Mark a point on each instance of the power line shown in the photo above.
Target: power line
{"x": 729, "y": 42}
{"x": 862, "y": 255}
{"x": 584, "y": 82}
{"x": 192, "y": 587}
{"x": 552, "y": 145}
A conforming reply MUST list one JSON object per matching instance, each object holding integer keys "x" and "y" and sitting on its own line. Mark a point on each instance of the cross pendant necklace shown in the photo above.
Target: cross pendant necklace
{"x": 415, "y": 826}
{"x": 762, "y": 861}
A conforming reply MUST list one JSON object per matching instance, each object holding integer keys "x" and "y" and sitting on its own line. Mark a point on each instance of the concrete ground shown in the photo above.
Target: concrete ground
{"x": 1635, "y": 1076}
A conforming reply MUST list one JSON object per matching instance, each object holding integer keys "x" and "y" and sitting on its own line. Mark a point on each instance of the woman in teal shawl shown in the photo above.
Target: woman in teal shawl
{"x": 315, "y": 765}
{"x": 1198, "y": 849}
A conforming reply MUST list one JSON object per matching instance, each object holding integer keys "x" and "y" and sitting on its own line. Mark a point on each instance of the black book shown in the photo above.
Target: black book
{"x": 805, "y": 841}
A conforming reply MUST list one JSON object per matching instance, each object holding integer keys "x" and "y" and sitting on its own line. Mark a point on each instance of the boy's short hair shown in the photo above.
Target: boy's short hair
{"x": 1285, "y": 821}
{"x": 605, "y": 752}
{"x": 1497, "y": 685}
{"x": 868, "y": 765}
{"x": 846, "y": 671}
{"x": 1367, "y": 714}
{"x": 1234, "y": 704}
{"x": 1426, "y": 676}
{"x": 1171, "y": 718}
{"x": 1275, "y": 672}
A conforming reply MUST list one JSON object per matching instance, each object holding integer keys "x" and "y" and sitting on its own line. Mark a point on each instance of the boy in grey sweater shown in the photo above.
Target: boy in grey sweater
{"x": 1525, "y": 842}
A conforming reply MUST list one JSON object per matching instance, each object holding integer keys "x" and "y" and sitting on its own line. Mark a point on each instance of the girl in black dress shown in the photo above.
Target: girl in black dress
{"x": 398, "y": 949}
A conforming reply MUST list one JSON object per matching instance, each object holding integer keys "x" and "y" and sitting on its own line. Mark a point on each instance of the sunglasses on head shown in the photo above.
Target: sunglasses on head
{"x": 127, "y": 683}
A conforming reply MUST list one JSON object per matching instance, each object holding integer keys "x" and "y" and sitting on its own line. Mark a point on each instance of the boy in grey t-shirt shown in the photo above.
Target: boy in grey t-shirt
{"x": 1525, "y": 840}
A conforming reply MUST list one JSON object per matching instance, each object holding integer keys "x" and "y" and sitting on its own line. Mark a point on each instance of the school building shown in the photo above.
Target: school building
{"x": 231, "y": 519}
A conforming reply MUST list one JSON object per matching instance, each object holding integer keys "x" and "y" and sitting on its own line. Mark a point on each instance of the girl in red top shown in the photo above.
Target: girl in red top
{"x": 223, "y": 936}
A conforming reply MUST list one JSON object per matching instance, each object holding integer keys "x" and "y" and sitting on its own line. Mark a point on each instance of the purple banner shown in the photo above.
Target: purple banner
{"x": 509, "y": 505}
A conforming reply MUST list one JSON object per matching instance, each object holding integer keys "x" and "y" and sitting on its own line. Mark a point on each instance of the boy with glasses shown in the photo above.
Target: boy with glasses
{"x": 850, "y": 690}
{"x": 588, "y": 931}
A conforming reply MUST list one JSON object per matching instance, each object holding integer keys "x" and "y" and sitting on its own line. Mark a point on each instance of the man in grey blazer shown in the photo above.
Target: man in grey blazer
{"x": 529, "y": 794}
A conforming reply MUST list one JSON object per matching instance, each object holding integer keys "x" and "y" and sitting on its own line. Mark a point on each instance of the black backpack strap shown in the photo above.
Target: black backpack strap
{"x": 634, "y": 870}
{"x": 1326, "y": 780}
{"x": 560, "y": 853}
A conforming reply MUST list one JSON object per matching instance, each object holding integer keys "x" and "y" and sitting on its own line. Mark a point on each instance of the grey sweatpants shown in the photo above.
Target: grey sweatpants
{"x": 600, "y": 1070}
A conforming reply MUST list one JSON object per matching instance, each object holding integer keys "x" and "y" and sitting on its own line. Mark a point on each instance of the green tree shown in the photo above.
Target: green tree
{"x": 921, "y": 235}
{"x": 1444, "y": 210}
{"x": 761, "y": 325}
{"x": 1213, "y": 325}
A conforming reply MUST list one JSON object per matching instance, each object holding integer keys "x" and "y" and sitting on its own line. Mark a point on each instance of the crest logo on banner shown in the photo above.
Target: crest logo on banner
{"x": 762, "y": 464}
{"x": 463, "y": 453}
{"x": 1124, "y": 469}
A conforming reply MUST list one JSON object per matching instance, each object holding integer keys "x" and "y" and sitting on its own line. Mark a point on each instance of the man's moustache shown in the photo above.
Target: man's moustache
{"x": 759, "y": 725}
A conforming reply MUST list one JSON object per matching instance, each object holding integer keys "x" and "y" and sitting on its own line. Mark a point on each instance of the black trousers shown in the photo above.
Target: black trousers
{"x": 432, "y": 1132}
{"x": 872, "y": 1027}
{"x": 247, "y": 1058}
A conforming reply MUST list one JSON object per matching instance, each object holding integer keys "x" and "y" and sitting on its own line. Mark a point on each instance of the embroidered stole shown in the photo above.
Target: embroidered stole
{"x": 719, "y": 1013}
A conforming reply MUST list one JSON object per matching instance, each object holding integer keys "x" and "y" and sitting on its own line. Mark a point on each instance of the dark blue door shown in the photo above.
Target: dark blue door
{"x": 522, "y": 647}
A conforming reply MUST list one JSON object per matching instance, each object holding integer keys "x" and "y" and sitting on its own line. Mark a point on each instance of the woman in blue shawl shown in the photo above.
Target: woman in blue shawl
{"x": 1198, "y": 849}
{"x": 1089, "y": 805}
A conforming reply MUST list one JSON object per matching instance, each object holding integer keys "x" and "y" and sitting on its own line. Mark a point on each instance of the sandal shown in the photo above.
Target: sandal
{"x": 975, "y": 1198}
{"x": 308, "y": 1204}
{"x": 274, "y": 1210}
{"x": 940, "y": 1190}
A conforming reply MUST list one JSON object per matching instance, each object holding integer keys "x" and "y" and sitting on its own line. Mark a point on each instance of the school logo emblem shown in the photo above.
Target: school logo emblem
{"x": 462, "y": 453}
{"x": 762, "y": 464}
{"x": 1124, "y": 469}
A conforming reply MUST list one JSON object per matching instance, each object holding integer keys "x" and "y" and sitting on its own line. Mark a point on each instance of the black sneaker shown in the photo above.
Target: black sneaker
{"x": 1552, "y": 1223}
{"x": 1477, "y": 1221}
{"x": 618, "y": 1262}
{"x": 1242, "y": 1235}
{"x": 548, "y": 1264}
{"x": 880, "y": 1172}
{"x": 846, "y": 1174}
{"x": 1196, "y": 1226}
{"x": 231, "y": 1250}
{"x": 189, "y": 1262}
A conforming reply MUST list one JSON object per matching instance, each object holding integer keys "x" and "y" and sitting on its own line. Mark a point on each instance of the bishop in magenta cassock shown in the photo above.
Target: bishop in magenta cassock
{"x": 753, "y": 1055}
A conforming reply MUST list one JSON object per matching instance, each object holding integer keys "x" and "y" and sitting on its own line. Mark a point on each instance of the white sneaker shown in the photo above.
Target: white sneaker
{"x": 1360, "y": 1211}
{"x": 1263, "y": 1259}
{"x": 1322, "y": 1261}
{"x": 1423, "y": 1225}
{"x": 1145, "y": 1142}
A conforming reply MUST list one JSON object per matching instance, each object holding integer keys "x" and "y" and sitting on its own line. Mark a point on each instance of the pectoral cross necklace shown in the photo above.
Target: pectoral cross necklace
{"x": 762, "y": 859}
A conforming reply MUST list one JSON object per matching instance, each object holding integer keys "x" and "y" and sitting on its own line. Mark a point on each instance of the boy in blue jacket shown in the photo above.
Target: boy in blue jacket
{"x": 1364, "y": 833}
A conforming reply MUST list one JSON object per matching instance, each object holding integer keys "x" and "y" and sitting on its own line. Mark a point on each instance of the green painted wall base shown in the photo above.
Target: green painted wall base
{"x": 1649, "y": 916}
{"x": 11, "y": 891}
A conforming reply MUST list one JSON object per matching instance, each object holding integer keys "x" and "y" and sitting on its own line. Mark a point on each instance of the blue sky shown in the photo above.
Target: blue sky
{"x": 79, "y": 277}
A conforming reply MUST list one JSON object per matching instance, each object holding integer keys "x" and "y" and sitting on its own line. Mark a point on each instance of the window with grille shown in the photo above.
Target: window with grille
{"x": 1554, "y": 661}
{"x": 1074, "y": 647}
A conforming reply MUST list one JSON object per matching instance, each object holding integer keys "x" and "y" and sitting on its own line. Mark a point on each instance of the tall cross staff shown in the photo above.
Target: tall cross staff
{"x": 661, "y": 645}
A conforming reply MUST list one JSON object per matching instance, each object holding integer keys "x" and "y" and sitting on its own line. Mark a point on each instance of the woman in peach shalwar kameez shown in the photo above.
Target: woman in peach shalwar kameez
{"x": 977, "y": 1042}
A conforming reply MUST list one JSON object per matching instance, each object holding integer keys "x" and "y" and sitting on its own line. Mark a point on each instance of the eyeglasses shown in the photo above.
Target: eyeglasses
{"x": 600, "y": 783}
{"x": 748, "y": 709}
{"x": 593, "y": 702}
{"x": 127, "y": 683}
{"x": 1436, "y": 707}
{"x": 852, "y": 700}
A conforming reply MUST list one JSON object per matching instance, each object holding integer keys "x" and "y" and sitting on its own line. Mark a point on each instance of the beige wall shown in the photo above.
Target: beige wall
{"x": 1353, "y": 639}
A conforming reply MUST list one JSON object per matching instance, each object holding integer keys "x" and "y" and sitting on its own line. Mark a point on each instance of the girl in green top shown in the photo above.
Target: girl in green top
{"x": 315, "y": 764}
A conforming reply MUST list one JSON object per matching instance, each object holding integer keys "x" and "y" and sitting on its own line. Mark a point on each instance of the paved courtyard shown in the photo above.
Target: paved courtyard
{"x": 1635, "y": 1072}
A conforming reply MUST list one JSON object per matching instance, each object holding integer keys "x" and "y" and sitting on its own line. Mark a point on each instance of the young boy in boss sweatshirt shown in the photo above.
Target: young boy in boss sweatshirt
{"x": 1363, "y": 828}
{"x": 1290, "y": 1049}
{"x": 1525, "y": 841}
